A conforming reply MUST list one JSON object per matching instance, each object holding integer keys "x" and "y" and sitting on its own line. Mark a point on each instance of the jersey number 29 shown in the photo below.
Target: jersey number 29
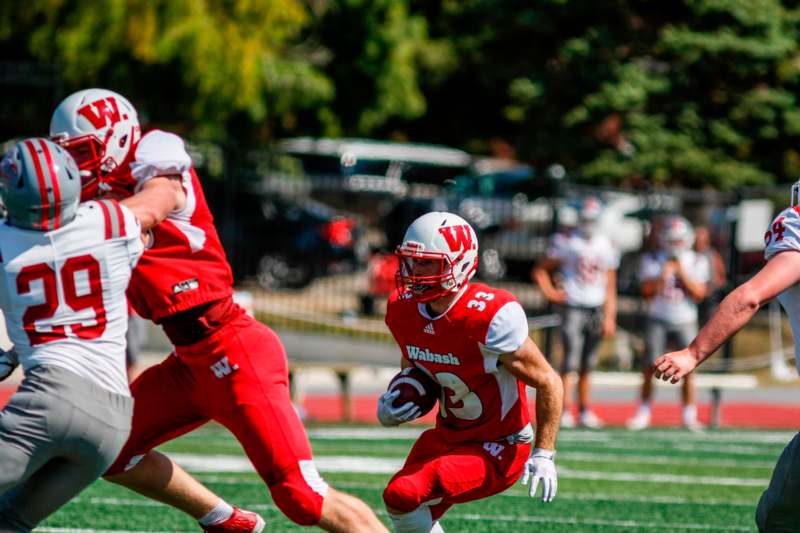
{"x": 91, "y": 300}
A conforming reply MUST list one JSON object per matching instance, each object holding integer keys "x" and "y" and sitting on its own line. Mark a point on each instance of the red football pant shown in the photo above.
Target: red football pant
{"x": 440, "y": 474}
{"x": 239, "y": 378}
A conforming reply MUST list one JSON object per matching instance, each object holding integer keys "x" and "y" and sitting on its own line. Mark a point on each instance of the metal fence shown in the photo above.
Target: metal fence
{"x": 314, "y": 250}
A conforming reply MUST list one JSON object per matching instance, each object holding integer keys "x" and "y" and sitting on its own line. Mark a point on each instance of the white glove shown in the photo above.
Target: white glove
{"x": 393, "y": 416}
{"x": 8, "y": 362}
{"x": 541, "y": 466}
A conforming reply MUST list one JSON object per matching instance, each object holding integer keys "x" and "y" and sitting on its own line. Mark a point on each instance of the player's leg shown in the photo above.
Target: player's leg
{"x": 778, "y": 510}
{"x": 572, "y": 343}
{"x": 592, "y": 335}
{"x": 85, "y": 427}
{"x": 253, "y": 402}
{"x": 436, "y": 477}
{"x": 655, "y": 339}
{"x": 163, "y": 409}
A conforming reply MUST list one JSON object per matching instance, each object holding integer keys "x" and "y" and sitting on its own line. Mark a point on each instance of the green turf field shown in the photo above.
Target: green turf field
{"x": 613, "y": 480}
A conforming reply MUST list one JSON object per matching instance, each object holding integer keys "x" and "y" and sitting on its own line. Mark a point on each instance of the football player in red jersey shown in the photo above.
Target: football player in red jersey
{"x": 473, "y": 340}
{"x": 226, "y": 366}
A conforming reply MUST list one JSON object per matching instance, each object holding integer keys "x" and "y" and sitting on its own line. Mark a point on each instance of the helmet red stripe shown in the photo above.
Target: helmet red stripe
{"x": 54, "y": 179}
{"x": 40, "y": 177}
{"x": 107, "y": 217}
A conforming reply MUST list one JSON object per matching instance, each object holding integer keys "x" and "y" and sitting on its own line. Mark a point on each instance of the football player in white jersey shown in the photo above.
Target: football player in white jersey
{"x": 64, "y": 269}
{"x": 587, "y": 263}
{"x": 778, "y": 508}
{"x": 674, "y": 279}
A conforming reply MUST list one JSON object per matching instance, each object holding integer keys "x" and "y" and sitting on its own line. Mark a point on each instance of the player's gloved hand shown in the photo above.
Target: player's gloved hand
{"x": 8, "y": 362}
{"x": 393, "y": 416}
{"x": 541, "y": 467}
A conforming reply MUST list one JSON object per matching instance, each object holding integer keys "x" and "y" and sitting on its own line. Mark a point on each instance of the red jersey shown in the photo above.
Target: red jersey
{"x": 481, "y": 400}
{"x": 184, "y": 264}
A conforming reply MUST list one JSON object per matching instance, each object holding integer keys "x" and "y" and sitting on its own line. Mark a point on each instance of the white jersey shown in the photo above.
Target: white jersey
{"x": 781, "y": 236}
{"x": 673, "y": 304}
{"x": 585, "y": 263}
{"x": 63, "y": 292}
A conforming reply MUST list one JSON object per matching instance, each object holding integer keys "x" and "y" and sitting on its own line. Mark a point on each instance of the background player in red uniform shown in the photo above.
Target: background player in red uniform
{"x": 473, "y": 340}
{"x": 226, "y": 366}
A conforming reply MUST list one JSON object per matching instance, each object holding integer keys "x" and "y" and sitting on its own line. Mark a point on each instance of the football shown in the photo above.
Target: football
{"x": 415, "y": 386}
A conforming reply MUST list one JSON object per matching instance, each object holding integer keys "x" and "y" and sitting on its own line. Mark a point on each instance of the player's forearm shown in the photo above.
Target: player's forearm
{"x": 734, "y": 312}
{"x": 610, "y": 304}
{"x": 159, "y": 197}
{"x": 549, "y": 402}
{"x": 542, "y": 279}
{"x": 696, "y": 290}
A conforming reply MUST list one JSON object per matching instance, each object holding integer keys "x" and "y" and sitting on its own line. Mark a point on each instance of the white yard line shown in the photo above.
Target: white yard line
{"x": 472, "y": 517}
{"x": 383, "y": 465}
{"x": 72, "y": 530}
{"x": 627, "y": 524}
{"x": 663, "y": 460}
{"x": 577, "y": 435}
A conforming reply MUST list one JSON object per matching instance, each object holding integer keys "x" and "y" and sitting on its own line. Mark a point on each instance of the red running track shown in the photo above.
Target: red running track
{"x": 329, "y": 408}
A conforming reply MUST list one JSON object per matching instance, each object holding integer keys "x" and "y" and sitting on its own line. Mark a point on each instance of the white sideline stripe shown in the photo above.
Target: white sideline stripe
{"x": 383, "y": 465}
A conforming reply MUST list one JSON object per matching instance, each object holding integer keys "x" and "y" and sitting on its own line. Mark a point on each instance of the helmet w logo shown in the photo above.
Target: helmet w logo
{"x": 101, "y": 113}
{"x": 457, "y": 237}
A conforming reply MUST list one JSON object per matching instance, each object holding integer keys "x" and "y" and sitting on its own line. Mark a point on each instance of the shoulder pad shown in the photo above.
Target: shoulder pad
{"x": 783, "y": 233}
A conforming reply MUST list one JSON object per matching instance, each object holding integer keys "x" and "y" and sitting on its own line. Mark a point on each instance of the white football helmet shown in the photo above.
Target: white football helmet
{"x": 99, "y": 128}
{"x": 589, "y": 216}
{"x": 439, "y": 255}
{"x": 676, "y": 235}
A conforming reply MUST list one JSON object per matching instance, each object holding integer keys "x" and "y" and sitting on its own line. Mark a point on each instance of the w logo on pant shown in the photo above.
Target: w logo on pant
{"x": 223, "y": 368}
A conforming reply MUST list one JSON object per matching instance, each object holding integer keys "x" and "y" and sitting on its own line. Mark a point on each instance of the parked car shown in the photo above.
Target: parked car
{"x": 366, "y": 176}
{"x": 283, "y": 241}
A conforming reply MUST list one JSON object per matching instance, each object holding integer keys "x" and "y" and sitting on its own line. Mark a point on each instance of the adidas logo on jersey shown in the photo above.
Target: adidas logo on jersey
{"x": 429, "y": 329}
{"x": 186, "y": 285}
{"x": 423, "y": 354}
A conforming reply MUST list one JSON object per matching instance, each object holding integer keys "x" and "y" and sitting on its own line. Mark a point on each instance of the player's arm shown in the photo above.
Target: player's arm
{"x": 736, "y": 310}
{"x": 696, "y": 290}
{"x": 158, "y": 197}
{"x": 529, "y": 366}
{"x": 610, "y": 304}
{"x": 541, "y": 275}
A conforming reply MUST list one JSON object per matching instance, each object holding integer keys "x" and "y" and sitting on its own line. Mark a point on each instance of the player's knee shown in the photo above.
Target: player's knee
{"x": 299, "y": 496}
{"x": 401, "y": 495}
{"x": 417, "y": 521}
{"x": 122, "y": 464}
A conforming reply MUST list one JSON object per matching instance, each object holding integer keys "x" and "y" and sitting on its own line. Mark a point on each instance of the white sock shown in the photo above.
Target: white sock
{"x": 221, "y": 512}
{"x": 689, "y": 412}
{"x": 644, "y": 409}
{"x": 416, "y": 521}
{"x": 437, "y": 528}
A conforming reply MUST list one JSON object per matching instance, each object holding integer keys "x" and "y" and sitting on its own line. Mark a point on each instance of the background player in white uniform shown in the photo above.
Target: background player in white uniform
{"x": 587, "y": 263}
{"x": 674, "y": 279}
{"x": 778, "y": 508}
{"x": 64, "y": 269}
{"x": 473, "y": 340}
